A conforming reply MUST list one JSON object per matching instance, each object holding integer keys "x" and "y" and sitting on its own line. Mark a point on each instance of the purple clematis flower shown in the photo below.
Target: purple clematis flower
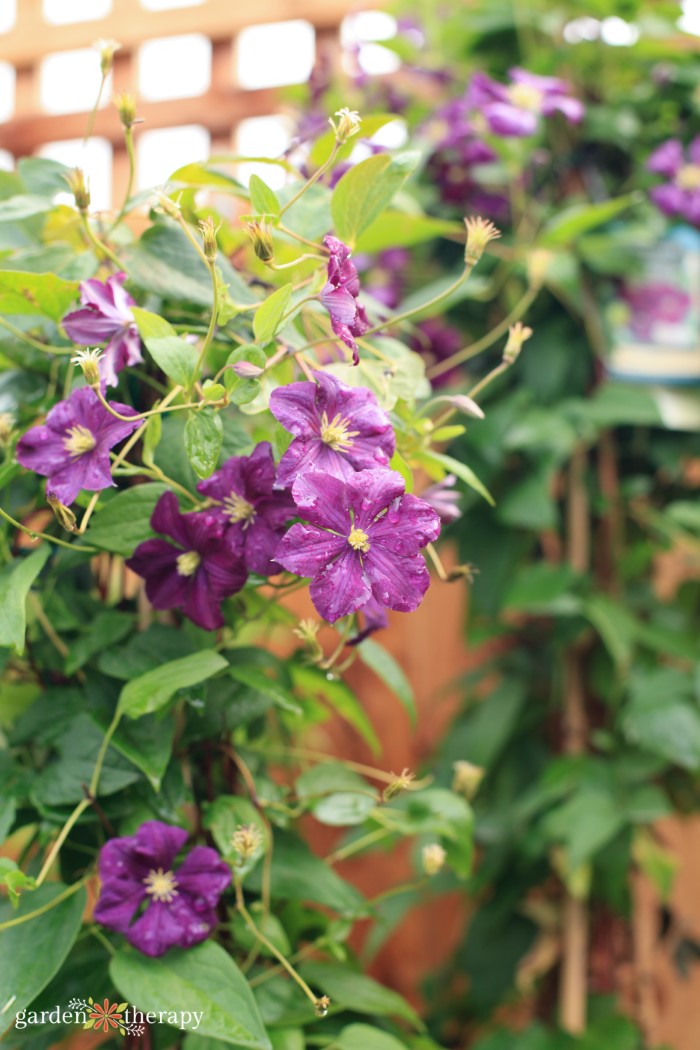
{"x": 253, "y": 512}
{"x": 72, "y": 447}
{"x": 444, "y": 498}
{"x": 180, "y": 904}
{"x": 337, "y": 428}
{"x": 195, "y": 572}
{"x": 106, "y": 317}
{"x": 681, "y": 194}
{"x": 339, "y": 296}
{"x": 363, "y": 542}
{"x": 513, "y": 110}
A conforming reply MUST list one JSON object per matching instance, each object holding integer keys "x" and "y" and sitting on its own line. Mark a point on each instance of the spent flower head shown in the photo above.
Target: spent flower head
{"x": 467, "y": 778}
{"x": 167, "y": 205}
{"x": 401, "y": 782}
{"x": 89, "y": 362}
{"x": 261, "y": 237}
{"x": 517, "y": 335}
{"x": 126, "y": 108}
{"x": 209, "y": 230}
{"x": 80, "y": 188}
{"x": 64, "y": 515}
{"x": 247, "y": 840}
{"x": 349, "y": 121}
{"x": 321, "y": 1006}
{"x": 7, "y": 426}
{"x": 479, "y": 233}
{"x": 433, "y": 858}
{"x": 107, "y": 50}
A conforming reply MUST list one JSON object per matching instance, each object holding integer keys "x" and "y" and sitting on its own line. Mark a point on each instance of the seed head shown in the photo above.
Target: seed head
{"x": 479, "y": 233}
{"x": 349, "y": 122}
{"x": 126, "y": 108}
{"x": 247, "y": 840}
{"x": 517, "y": 334}
{"x": 80, "y": 188}
{"x": 401, "y": 782}
{"x": 262, "y": 240}
{"x": 64, "y": 515}
{"x": 209, "y": 232}
{"x": 107, "y": 49}
{"x": 89, "y": 362}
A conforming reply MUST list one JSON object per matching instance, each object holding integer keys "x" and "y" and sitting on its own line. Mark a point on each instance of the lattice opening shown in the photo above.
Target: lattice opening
{"x": 8, "y": 15}
{"x": 95, "y": 158}
{"x": 162, "y": 151}
{"x": 63, "y": 12}
{"x": 69, "y": 82}
{"x": 7, "y": 91}
{"x": 175, "y": 67}
{"x": 263, "y": 137}
{"x": 276, "y": 54}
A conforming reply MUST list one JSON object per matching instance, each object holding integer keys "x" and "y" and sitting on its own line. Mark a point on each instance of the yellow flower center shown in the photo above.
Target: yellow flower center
{"x": 188, "y": 563}
{"x": 239, "y": 509}
{"x": 161, "y": 885}
{"x": 79, "y": 440}
{"x": 525, "y": 96}
{"x": 688, "y": 178}
{"x": 336, "y": 433}
{"x": 359, "y": 540}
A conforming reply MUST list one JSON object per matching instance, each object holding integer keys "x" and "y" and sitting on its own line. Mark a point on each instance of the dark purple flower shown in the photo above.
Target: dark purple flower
{"x": 363, "y": 542}
{"x": 180, "y": 902}
{"x": 514, "y": 109}
{"x": 106, "y": 317}
{"x": 436, "y": 341}
{"x": 681, "y": 194}
{"x": 197, "y": 571}
{"x": 253, "y": 512}
{"x": 72, "y": 447}
{"x": 339, "y": 296}
{"x": 338, "y": 429}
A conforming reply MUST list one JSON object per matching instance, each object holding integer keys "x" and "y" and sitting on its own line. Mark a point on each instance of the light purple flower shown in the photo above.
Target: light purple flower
{"x": 72, "y": 447}
{"x": 444, "y": 498}
{"x": 180, "y": 902}
{"x": 654, "y": 303}
{"x": 196, "y": 571}
{"x": 514, "y": 109}
{"x": 339, "y": 296}
{"x": 362, "y": 543}
{"x": 337, "y": 428}
{"x": 681, "y": 194}
{"x": 253, "y": 512}
{"x": 106, "y": 317}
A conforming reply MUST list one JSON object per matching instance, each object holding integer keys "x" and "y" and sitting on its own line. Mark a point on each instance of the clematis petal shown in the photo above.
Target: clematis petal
{"x": 312, "y": 455}
{"x": 399, "y": 583}
{"x": 158, "y": 843}
{"x": 408, "y": 525}
{"x": 323, "y": 500}
{"x": 294, "y": 406}
{"x": 306, "y": 549}
{"x": 203, "y": 876}
{"x": 372, "y": 491}
{"x": 667, "y": 159}
{"x": 168, "y": 520}
{"x": 506, "y": 119}
{"x": 157, "y": 930}
{"x": 201, "y": 605}
{"x": 341, "y": 587}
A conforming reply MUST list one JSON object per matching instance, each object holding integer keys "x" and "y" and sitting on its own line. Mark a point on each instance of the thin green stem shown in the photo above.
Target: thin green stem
{"x": 44, "y": 535}
{"x": 44, "y": 347}
{"x": 313, "y": 178}
{"x": 298, "y": 237}
{"x": 359, "y": 844}
{"x": 99, "y": 246}
{"x": 212, "y": 324}
{"x": 493, "y": 374}
{"x": 486, "y": 341}
{"x": 295, "y": 262}
{"x": 68, "y": 892}
{"x": 93, "y": 111}
{"x": 398, "y": 318}
{"x": 129, "y": 142}
{"x": 88, "y": 513}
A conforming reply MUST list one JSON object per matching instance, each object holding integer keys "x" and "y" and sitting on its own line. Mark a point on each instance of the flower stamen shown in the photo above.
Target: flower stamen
{"x": 359, "y": 540}
{"x": 239, "y": 509}
{"x": 336, "y": 433}
{"x": 526, "y": 96}
{"x": 188, "y": 563}
{"x": 688, "y": 177}
{"x": 161, "y": 885}
{"x": 79, "y": 440}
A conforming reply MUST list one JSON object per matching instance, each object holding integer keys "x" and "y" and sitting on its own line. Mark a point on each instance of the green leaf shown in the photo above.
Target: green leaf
{"x": 463, "y": 472}
{"x": 298, "y": 875}
{"x": 126, "y": 520}
{"x": 337, "y": 796}
{"x": 23, "y": 207}
{"x": 42, "y": 175}
{"x": 173, "y": 355}
{"x": 16, "y": 580}
{"x": 287, "y": 1039}
{"x": 572, "y": 222}
{"x": 62, "y": 780}
{"x": 437, "y": 811}
{"x": 545, "y": 590}
{"x": 242, "y": 390}
{"x": 396, "y": 229}
{"x": 616, "y": 627}
{"x": 662, "y": 718}
{"x": 36, "y": 293}
{"x": 107, "y": 629}
{"x": 150, "y": 691}
{"x": 340, "y": 697}
{"x": 147, "y": 745}
{"x": 366, "y": 1037}
{"x": 204, "y": 435}
{"x": 391, "y": 673}
{"x": 365, "y": 191}
{"x": 223, "y": 816}
{"x": 267, "y": 318}
{"x": 256, "y": 679}
{"x": 204, "y": 979}
{"x": 262, "y": 198}
{"x": 35, "y": 950}
{"x": 356, "y": 992}
{"x": 14, "y": 880}
{"x": 151, "y": 439}
{"x": 585, "y": 823}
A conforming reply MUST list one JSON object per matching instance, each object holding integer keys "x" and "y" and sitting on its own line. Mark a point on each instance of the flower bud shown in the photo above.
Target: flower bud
{"x": 321, "y": 1006}
{"x": 262, "y": 240}
{"x": 126, "y": 108}
{"x": 89, "y": 362}
{"x": 479, "y": 233}
{"x": 167, "y": 205}
{"x": 466, "y": 405}
{"x": 209, "y": 231}
{"x": 348, "y": 124}
{"x": 517, "y": 334}
{"x": 247, "y": 370}
{"x": 399, "y": 784}
{"x": 467, "y": 778}
{"x": 433, "y": 858}
{"x": 247, "y": 840}
{"x": 64, "y": 515}
{"x": 537, "y": 265}
{"x": 80, "y": 188}
{"x": 107, "y": 49}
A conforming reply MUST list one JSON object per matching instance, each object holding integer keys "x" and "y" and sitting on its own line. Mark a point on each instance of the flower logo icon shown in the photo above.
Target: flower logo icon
{"x": 107, "y": 1016}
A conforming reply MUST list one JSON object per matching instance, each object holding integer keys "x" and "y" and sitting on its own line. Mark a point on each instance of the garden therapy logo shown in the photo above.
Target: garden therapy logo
{"x": 108, "y": 1017}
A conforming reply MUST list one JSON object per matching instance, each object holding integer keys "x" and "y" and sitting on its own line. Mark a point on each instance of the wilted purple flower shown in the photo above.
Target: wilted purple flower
{"x": 681, "y": 194}
{"x": 339, "y": 296}
{"x": 196, "y": 572}
{"x": 252, "y": 511}
{"x": 106, "y": 317}
{"x": 436, "y": 341}
{"x": 363, "y": 542}
{"x": 374, "y": 618}
{"x": 514, "y": 109}
{"x": 337, "y": 428}
{"x": 180, "y": 902}
{"x": 72, "y": 447}
{"x": 443, "y": 497}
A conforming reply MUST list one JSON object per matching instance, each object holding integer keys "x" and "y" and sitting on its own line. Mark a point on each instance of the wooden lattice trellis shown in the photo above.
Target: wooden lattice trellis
{"x": 219, "y": 110}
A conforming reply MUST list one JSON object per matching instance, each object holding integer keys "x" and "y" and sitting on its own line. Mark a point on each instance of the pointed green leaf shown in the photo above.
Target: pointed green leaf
{"x": 365, "y": 191}
{"x": 15, "y": 582}
{"x": 268, "y": 316}
{"x": 152, "y": 690}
